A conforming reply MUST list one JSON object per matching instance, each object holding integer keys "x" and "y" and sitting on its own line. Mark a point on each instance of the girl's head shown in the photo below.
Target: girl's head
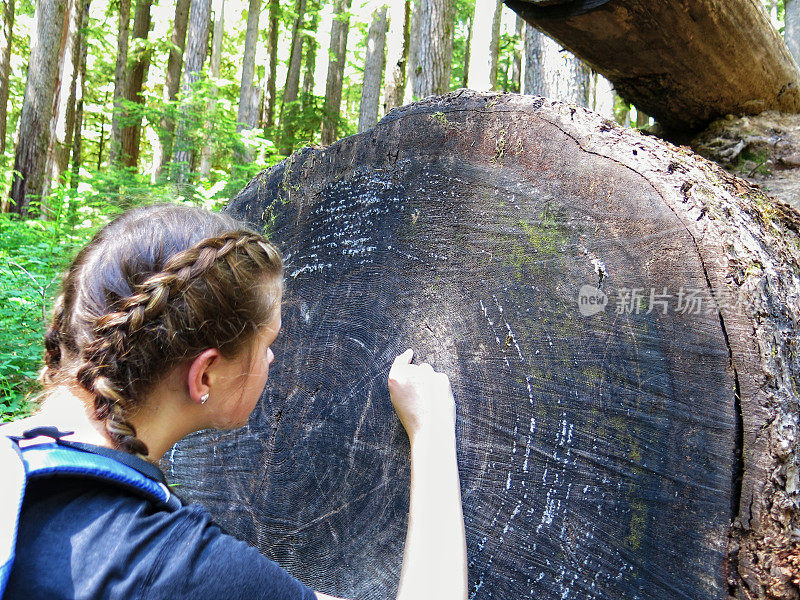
{"x": 154, "y": 289}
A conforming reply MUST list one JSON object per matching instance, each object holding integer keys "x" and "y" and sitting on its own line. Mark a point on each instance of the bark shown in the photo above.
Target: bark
{"x": 274, "y": 8}
{"x": 665, "y": 56}
{"x": 791, "y": 31}
{"x": 80, "y": 89}
{"x": 6, "y": 38}
{"x": 38, "y": 105}
{"x": 137, "y": 75}
{"x": 292, "y": 87}
{"x": 608, "y": 439}
{"x": 76, "y": 53}
{"x": 413, "y": 51}
{"x": 162, "y": 152}
{"x": 553, "y": 72}
{"x": 373, "y": 71}
{"x": 516, "y": 67}
{"x": 63, "y": 111}
{"x": 207, "y": 148}
{"x": 120, "y": 81}
{"x": 247, "y": 113}
{"x": 310, "y": 47}
{"x": 397, "y": 53}
{"x": 434, "y": 47}
{"x": 333, "y": 85}
{"x": 486, "y": 45}
{"x": 196, "y": 48}
{"x": 467, "y": 52}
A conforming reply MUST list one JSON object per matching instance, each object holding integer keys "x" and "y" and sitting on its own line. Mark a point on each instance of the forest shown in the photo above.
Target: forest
{"x": 602, "y": 252}
{"x": 184, "y": 100}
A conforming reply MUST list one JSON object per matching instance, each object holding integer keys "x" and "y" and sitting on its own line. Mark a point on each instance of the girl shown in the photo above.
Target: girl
{"x": 163, "y": 327}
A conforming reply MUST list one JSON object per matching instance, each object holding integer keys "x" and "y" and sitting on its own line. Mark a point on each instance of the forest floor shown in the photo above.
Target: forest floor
{"x": 764, "y": 149}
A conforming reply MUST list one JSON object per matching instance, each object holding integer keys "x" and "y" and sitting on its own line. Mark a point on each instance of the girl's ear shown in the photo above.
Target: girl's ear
{"x": 202, "y": 375}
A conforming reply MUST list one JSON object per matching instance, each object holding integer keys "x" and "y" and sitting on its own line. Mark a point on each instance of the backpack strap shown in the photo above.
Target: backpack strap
{"x": 67, "y": 459}
{"x": 11, "y": 495}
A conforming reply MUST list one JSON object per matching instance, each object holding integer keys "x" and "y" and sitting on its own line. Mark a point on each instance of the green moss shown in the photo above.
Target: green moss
{"x": 638, "y": 523}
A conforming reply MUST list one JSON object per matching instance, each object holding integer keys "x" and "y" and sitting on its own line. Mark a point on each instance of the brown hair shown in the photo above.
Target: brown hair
{"x": 153, "y": 288}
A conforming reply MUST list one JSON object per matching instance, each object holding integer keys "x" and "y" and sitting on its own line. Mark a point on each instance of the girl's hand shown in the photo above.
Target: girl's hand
{"x": 421, "y": 397}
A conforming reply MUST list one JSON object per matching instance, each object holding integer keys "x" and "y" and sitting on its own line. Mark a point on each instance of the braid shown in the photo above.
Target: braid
{"x": 109, "y": 367}
{"x": 52, "y": 342}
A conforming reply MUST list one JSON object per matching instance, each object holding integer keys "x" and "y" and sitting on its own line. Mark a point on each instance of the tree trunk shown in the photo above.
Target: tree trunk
{"x": 7, "y": 36}
{"x": 434, "y": 47}
{"x": 274, "y": 9}
{"x": 38, "y": 106}
{"x": 485, "y": 45}
{"x": 247, "y": 115}
{"x": 196, "y": 48}
{"x": 791, "y": 31}
{"x": 120, "y": 82}
{"x": 61, "y": 108}
{"x": 666, "y": 56}
{"x": 292, "y": 87}
{"x": 207, "y": 149}
{"x": 162, "y": 152}
{"x": 310, "y": 46}
{"x": 75, "y": 53}
{"x": 467, "y": 52}
{"x": 137, "y": 75}
{"x": 333, "y": 86}
{"x": 397, "y": 53}
{"x": 413, "y": 48}
{"x": 80, "y": 88}
{"x": 553, "y": 72}
{"x": 614, "y": 418}
{"x": 515, "y": 83}
{"x": 373, "y": 71}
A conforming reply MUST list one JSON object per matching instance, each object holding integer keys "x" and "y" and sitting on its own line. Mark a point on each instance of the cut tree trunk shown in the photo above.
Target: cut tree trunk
{"x": 619, "y": 319}
{"x": 685, "y": 62}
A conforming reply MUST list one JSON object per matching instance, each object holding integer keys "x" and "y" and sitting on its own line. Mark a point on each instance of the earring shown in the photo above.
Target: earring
{"x": 203, "y": 398}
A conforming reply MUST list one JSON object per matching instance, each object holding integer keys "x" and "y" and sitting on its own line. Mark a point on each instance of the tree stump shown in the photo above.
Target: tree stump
{"x": 618, "y": 317}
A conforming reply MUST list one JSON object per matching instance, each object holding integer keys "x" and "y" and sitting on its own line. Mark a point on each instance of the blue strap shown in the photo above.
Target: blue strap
{"x": 42, "y": 461}
{"x": 12, "y": 473}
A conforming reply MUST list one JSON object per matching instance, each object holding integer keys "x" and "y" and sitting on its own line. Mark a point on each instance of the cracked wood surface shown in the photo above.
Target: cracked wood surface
{"x": 602, "y": 455}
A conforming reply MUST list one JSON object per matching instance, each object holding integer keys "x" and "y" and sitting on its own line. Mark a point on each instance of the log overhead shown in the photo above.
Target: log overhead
{"x": 683, "y": 62}
{"x": 605, "y": 449}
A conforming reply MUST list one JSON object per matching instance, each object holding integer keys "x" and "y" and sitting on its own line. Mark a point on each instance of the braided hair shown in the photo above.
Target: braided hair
{"x": 156, "y": 287}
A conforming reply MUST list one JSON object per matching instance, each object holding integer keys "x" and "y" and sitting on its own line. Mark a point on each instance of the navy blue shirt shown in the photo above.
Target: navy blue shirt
{"x": 81, "y": 539}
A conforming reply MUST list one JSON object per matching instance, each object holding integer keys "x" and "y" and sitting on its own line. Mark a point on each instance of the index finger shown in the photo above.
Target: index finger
{"x": 403, "y": 359}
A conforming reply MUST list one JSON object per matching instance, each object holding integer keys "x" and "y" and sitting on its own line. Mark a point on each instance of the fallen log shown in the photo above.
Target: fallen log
{"x": 684, "y": 62}
{"x": 619, "y": 318}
